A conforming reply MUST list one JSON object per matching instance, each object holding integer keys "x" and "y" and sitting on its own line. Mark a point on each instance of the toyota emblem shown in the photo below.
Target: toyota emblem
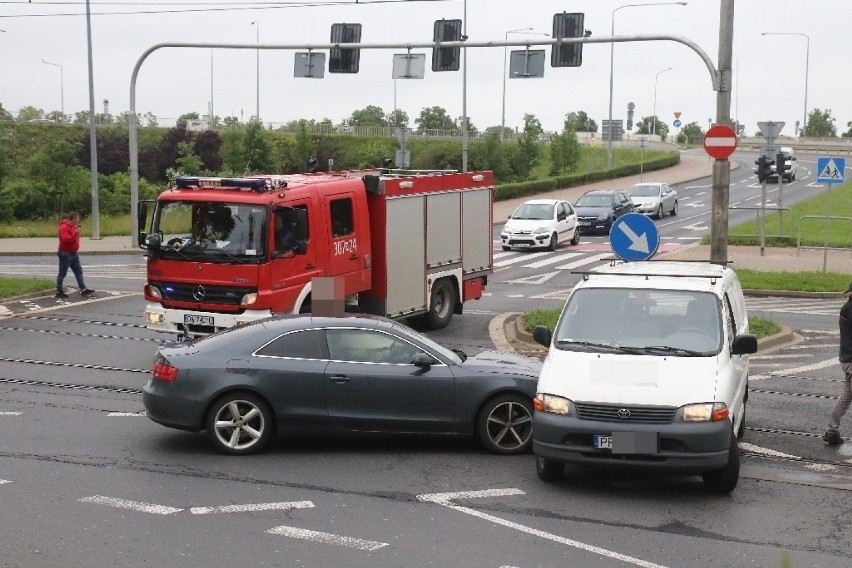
{"x": 622, "y": 412}
{"x": 198, "y": 293}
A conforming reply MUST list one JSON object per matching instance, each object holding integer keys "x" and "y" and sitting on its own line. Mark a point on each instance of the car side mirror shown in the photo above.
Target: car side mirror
{"x": 541, "y": 334}
{"x": 744, "y": 344}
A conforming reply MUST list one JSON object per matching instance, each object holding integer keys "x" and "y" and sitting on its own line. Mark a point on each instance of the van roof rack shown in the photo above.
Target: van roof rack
{"x": 643, "y": 269}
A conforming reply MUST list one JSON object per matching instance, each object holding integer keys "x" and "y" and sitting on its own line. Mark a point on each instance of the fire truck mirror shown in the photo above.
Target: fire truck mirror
{"x": 141, "y": 218}
{"x": 152, "y": 241}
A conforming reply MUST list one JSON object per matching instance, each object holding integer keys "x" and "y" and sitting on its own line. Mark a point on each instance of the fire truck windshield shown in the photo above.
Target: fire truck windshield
{"x": 215, "y": 231}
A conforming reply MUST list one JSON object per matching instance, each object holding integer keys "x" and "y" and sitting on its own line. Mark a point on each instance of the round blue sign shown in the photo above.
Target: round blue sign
{"x": 634, "y": 237}
{"x": 676, "y": 123}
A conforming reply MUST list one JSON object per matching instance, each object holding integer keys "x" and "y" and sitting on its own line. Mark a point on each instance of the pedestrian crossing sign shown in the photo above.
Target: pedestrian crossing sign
{"x": 831, "y": 170}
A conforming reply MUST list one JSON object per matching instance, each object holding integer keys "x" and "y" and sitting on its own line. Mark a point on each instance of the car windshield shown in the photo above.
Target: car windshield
{"x": 534, "y": 211}
{"x": 212, "y": 230}
{"x": 644, "y": 191}
{"x": 664, "y": 322}
{"x": 594, "y": 200}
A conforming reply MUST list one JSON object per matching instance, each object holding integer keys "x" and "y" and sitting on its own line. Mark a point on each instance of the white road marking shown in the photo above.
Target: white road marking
{"x": 584, "y": 261}
{"x": 327, "y": 538}
{"x": 552, "y": 260}
{"x": 820, "y": 467}
{"x": 520, "y": 258}
{"x": 774, "y": 357}
{"x": 534, "y": 280}
{"x": 283, "y": 506}
{"x": 445, "y": 500}
{"x": 123, "y": 414}
{"x": 10, "y": 413}
{"x": 132, "y": 505}
{"x": 2, "y": 481}
{"x": 766, "y": 451}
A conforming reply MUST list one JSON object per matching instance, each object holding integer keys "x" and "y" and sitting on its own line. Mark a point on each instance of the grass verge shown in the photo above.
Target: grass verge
{"x": 11, "y": 287}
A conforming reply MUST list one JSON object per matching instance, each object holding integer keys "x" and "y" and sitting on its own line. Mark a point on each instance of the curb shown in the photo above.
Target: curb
{"x": 767, "y": 343}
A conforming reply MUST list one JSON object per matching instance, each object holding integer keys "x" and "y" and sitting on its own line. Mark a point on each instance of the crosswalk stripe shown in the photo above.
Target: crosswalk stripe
{"x": 519, "y": 258}
{"x": 552, "y": 260}
{"x": 584, "y": 261}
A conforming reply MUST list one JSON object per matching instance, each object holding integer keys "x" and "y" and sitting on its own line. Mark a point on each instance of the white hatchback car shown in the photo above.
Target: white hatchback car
{"x": 647, "y": 368}
{"x": 541, "y": 223}
{"x": 653, "y": 198}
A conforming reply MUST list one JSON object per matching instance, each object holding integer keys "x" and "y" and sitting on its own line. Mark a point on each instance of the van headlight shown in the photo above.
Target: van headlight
{"x": 553, "y": 404}
{"x": 703, "y": 412}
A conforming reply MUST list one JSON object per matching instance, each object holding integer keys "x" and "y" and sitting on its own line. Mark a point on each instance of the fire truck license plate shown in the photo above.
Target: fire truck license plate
{"x": 190, "y": 319}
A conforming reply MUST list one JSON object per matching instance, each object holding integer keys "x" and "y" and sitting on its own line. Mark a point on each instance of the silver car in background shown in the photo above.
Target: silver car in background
{"x": 654, "y": 199}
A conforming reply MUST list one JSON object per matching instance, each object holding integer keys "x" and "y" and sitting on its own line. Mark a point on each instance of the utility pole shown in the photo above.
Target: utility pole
{"x": 722, "y": 168}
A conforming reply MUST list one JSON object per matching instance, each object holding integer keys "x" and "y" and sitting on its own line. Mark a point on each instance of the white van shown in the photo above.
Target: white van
{"x": 790, "y": 167}
{"x": 648, "y": 368}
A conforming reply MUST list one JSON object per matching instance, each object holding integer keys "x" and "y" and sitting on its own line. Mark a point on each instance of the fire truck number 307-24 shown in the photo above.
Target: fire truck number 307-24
{"x": 345, "y": 246}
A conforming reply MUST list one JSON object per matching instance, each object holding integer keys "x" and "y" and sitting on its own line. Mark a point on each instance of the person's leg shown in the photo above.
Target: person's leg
{"x": 63, "y": 270}
{"x": 77, "y": 270}
{"x": 845, "y": 398}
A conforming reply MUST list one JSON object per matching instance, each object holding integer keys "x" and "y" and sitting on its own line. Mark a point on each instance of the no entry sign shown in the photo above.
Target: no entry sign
{"x": 720, "y": 141}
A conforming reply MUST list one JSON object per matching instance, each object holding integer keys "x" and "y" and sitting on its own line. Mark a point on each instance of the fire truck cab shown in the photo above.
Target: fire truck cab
{"x": 224, "y": 251}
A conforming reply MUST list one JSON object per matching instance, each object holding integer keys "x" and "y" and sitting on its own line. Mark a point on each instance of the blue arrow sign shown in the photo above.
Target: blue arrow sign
{"x": 634, "y": 237}
{"x": 831, "y": 170}
{"x": 676, "y": 124}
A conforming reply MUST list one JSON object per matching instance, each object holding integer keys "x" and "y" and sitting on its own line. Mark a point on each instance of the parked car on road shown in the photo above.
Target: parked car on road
{"x": 302, "y": 375}
{"x": 541, "y": 223}
{"x": 653, "y": 198}
{"x": 598, "y": 209}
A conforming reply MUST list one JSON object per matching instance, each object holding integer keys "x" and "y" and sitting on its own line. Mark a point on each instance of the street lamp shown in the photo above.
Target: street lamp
{"x": 257, "y": 40}
{"x": 611, "y": 62}
{"x": 527, "y": 31}
{"x": 807, "y": 62}
{"x": 61, "y": 86}
{"x": 654, "y": 128}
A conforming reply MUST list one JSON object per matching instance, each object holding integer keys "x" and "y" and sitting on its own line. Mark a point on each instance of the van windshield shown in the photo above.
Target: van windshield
{"x": 664, "y": 322}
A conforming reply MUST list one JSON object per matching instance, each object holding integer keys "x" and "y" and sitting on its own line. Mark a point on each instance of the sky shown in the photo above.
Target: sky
{"x": 768, "y": 71}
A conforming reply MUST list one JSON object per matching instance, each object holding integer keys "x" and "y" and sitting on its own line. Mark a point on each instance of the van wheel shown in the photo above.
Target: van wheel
{"x": 724, "y": 480}
{"x": 442, "y": 304}
{"x": 549, "y": 470}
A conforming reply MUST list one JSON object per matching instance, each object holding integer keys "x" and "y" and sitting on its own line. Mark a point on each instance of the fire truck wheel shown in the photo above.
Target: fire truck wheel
{"x": 239, "y": 423}
{"x": 504, "y": 425}
{"x": 441, "y": 306}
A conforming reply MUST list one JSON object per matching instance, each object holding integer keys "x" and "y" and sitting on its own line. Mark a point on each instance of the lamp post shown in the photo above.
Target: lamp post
{"x": 611, "y": 62}
{"x": 257, "y": 40}
{"x": 61, "y": 86}
{"x": 807, "y": 64}
{"x": 527, "y": 31}
{"x": 654, "y": 127}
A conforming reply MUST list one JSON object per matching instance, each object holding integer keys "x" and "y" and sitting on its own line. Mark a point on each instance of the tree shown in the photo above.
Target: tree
{"x": 257, "y": 150}
{"x": 580, "y": 122}
{"x": 692, "y": 131}
{"x": 435, "y": 118}
{"x": 113, "y": 153}
{"x": 528, "y": 148}
{"x": 848, "y": 133}
{"x": 646, "y": 126}
{"x": 304, "y": 147}
{"x": 55, "y": 116}
{"x": 207, "y": 147}
{"x": 471, "y": 129}
{"x": 52, "y": 162}
{"x": 564, "y": 150}
{"x": 398, "y": 118}
{"x": 30, "y": 113}
{"x": 81, "y": 117}
{"x": 821, "y": 124}
{"x": 187, "y": 163}
{"x": 5, "y": 114}
{"x": 368, "y": 116}
{"x": 231, "y": 122}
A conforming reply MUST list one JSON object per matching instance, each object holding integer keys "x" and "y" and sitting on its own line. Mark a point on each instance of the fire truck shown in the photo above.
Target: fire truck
{"x": 225, "y": 251}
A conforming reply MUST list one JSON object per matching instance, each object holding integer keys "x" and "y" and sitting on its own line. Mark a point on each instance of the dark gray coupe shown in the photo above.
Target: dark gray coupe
{"x": 302, "y": 374}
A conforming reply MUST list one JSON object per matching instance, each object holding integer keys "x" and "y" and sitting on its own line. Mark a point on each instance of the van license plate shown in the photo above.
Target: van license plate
{"x": 190, "y": 319}
{"x": 602, "y": 442}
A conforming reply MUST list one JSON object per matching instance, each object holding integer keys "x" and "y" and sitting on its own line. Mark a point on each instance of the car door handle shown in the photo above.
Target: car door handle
{"x": 339, "y": 379}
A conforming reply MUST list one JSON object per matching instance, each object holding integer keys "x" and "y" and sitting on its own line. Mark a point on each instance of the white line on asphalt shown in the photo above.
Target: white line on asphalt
{"x": 519, "y": 258}
{"x": 132, "y": 505}
{"x": 552, "y": 260}
{"x": 820, "y": 467}
{"x": 2, "y": 481}
{"x": 766, "y": 451}
{"x": 327, "y": 538}
{"x": 10, "y": 413}
{"x": 444, "y": 499}
{"x": 122, "y": 414}
{"x": 774, "y": 357}
{"x": 584, "y": 261}
{"x": 822, "y": 331}
{"x": 284, "y": 506}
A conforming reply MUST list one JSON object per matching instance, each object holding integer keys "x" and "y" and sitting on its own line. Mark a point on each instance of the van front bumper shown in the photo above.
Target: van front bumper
{"x": 682, "y": 446}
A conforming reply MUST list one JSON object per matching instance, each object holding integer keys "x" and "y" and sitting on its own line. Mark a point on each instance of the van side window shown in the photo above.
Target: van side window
{"x": 730, "y": 321}
{"x": 341, "y": 218}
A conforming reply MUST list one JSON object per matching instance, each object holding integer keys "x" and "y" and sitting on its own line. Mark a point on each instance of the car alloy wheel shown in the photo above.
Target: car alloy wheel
{"x": 239, "y": 423}
{"x": 504, "y": 425}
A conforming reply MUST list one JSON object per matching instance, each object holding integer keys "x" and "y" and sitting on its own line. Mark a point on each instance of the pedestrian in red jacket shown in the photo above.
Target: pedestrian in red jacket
{"x": 69, "y": 244}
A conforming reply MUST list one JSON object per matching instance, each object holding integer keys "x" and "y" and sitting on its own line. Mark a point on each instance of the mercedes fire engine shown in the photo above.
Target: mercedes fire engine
{"x": 224, "y": 251}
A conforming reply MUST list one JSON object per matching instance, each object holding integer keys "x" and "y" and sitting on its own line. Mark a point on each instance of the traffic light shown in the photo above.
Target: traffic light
{"x": 310, "y": 165}
{"x": 385, "y": 164}
{"x": 569, "y": 54}
{"x": 447, "y": 58}
{"x": 344, "y": 60}
{"x": 764, "y": 168}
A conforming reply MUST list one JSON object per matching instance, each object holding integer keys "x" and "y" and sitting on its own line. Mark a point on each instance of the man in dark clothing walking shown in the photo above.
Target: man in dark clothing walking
{"x": 69, "y": 244}
{"x": 832, "y": 436}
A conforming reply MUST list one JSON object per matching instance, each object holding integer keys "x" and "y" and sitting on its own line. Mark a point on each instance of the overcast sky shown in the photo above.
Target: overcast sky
{"x": 768, "y": 75}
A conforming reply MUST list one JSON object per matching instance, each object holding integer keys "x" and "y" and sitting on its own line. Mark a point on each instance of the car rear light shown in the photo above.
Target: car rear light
{"x": 164, "y": 372}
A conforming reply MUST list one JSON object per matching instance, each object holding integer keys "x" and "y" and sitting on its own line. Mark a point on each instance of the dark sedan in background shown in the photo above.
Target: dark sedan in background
{"x": 598, "y": 209}
{"x": 303, "y": 374}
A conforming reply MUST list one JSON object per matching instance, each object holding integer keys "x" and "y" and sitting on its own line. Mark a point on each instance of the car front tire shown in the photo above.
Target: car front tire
{"x": 576, "y": 238}
{"x": 724, "y": 480}
{"x": 554, "y": 242}
{"x": 504, "y": 425}
{"x": 239, "y": 423}
{"x": 674, "y": 208}
{"x": 549, "y": 470}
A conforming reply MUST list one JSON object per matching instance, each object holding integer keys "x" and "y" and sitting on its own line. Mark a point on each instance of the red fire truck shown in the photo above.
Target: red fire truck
{"x": 223, "y": 251}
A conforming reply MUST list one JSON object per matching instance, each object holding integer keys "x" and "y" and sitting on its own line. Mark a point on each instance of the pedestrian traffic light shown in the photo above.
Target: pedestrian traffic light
{"x": 569, "y": 54}
{"x": 764, "y": 168}
{"x": 342, "y": 60}
{"x": 310, "y": 165}
{"x": 447, "y": 58}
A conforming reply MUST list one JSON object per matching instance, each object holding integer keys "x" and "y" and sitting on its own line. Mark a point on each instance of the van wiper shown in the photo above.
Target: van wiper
{"x": 674, "y": 350}
{"x": 590, "y": 344}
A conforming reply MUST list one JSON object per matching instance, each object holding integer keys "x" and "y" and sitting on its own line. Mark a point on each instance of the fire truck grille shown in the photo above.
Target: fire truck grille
{"x": 228, "y": 295}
